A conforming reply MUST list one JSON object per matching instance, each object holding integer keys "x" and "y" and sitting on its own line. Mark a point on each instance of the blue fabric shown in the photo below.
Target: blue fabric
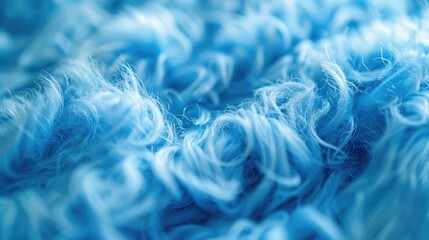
{"x": 214, "y": 119}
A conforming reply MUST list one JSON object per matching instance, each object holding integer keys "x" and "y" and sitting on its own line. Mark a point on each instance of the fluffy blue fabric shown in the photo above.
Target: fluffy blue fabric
{"x": 214, "y": 119}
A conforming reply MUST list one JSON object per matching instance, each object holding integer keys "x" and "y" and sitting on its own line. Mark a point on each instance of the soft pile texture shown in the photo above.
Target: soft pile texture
{"x": 214, "y": 119}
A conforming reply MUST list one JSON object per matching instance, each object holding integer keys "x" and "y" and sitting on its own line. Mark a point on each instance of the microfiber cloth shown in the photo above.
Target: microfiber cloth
{"x": 214, "y": 119}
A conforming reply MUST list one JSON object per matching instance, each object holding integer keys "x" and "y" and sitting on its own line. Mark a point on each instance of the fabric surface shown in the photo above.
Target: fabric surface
{"x": 214, "y": 119}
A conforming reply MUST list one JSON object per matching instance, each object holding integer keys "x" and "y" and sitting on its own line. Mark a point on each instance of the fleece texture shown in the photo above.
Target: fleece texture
{"x": 214, "y": 119}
